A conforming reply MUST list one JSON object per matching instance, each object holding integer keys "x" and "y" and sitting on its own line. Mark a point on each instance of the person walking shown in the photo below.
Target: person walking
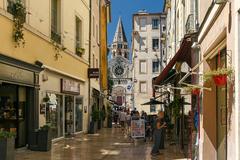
{"x": 159, "y": 125}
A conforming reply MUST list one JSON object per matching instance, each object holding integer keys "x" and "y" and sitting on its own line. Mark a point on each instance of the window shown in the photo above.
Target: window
{"x": 155, "y": 23}
{"x": 155, "y": 66}
{"x": 93, "y": 61}
{"x": 142, "y": 87}
{"x": 56, "y": 21}
{"x": 155, "y": 44}
{"x": 97, "y": 63}
{"x": 163, "y": 28}
{"x": 142, "y": 45}
{"x": 142, "y": 22}
{"x": 152, "y": 108}
{"x": 78, "y": 33}
{"x": 97, "y": 33}
{"x": 93, "y": 26}
{"x": 142, "y": 66}
{"x": 119, "y": 46}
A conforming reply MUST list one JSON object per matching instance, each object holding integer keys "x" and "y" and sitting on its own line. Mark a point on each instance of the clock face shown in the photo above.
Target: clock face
{"x": 119, "y": 70}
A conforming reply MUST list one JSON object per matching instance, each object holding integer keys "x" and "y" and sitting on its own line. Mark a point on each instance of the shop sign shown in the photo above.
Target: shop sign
{"x": 14, "y": 74}
{"x": 70, "y": 86}
{"x": 138, "y": 128}
{"x": 93, "y": 72}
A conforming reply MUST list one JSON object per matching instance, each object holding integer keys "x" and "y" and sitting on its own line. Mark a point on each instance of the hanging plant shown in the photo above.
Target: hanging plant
{"x": 19, "y": 18}
{"x": 219, "y": 76}
{"x": 192, "y": 90}
{"x": 80, "y": 51}
{"x": 58, "y": 48}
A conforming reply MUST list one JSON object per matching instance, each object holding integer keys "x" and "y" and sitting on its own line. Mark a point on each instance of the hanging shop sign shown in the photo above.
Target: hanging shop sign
{"x": 70, "y": 87}
{"x": 93, "y": 72}
{"x": 14, "y": 74}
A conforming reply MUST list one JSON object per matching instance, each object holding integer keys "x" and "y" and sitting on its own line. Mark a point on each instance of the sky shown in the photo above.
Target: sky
{"x": 125, "y": 9}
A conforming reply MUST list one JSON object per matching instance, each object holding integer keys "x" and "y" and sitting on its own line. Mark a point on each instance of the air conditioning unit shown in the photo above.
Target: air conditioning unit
{"x": 220, "y": 1}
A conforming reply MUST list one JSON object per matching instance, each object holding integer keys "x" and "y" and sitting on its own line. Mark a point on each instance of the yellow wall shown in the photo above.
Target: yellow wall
{"x": 104, "y": 48}
{"x": 39, "y": 49}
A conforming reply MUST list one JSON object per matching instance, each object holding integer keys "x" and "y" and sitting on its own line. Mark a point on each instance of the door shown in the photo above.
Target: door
{"x": 69, "y": 115}
{"x": 79, "y": 114}
{"x": 21, "y": 116}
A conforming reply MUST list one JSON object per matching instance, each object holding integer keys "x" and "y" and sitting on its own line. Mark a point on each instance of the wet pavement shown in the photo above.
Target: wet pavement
{"x": 108, "y": 144}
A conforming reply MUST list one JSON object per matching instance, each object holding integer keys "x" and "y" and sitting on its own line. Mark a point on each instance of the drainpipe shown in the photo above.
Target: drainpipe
{"x": 89, "y": 66}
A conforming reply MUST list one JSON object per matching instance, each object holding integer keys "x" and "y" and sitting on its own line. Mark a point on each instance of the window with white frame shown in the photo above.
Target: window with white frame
{"x": 56, "y": 20}
{"x": 143, "y": 87}
{"x": 142, "y": 66}
{"x": 155, "y": 66}
{"x": 78, "y": 34}
{"x": 155, "y": 23}
{"x": 142, "y": 44}
{"x": 143, "y": 24}
{"x": 155, "y": 44}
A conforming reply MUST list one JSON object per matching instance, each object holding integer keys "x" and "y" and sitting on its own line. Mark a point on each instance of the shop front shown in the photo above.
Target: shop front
{"x": 19, "y": 91}
{"x": 61, "y": 104}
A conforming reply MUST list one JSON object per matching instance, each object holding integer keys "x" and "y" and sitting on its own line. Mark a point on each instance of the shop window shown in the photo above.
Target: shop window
{"x": 69, "y": 115}
{"x": 56, "y": 20}
{"x": 79, "y": 114}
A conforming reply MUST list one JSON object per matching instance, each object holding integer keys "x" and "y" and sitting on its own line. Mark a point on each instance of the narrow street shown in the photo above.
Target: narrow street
{"x": 108, "y": 144}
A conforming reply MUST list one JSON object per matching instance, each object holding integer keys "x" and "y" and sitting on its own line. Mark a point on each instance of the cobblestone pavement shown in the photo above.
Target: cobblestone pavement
{"x": 108, "y": 144}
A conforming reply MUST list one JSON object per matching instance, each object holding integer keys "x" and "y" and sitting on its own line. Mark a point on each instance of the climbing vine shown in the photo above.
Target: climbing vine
{"x": 19, "y": 18}
{"x": 57, "y": 48}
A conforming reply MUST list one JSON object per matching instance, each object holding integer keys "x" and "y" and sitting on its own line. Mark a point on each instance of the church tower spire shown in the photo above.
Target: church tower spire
{"x": 120, "y": 44}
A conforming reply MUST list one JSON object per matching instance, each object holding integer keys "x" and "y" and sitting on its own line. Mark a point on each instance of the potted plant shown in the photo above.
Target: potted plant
{"x": 80, "y": 51}
{"x": 109, "y": 117}
{"x": 192, "y": 90}
{"x": 43, "y": 139}
{"x": 7, "y": 145}
{"x": 219, "y": 76}
{"x": 95, "y": 118}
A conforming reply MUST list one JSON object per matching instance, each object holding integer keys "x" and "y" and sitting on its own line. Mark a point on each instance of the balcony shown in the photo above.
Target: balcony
{"x": 190, "y": 24}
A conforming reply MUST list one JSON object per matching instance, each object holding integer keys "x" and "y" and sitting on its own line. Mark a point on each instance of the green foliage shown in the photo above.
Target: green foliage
{"x": 95, "y": 115}
{"x": 175, "y": 105}
{"x": 220, "y": 71}
{"x": 109, "y": 112}
{"x": 58, "y": 48}
{"x": 19, "y": 17}
{"x": 102, "y": 115}
{"x": 80, "y": 51}
{"x": 7, "y": 134}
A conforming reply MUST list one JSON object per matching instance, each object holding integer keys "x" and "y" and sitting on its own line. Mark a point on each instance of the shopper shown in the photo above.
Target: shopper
{"x": 160, "y": 124}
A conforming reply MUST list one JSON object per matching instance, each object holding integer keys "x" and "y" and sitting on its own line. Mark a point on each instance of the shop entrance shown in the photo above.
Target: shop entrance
{"x": 69, "y": 115}
{"x": 13, "y": 109}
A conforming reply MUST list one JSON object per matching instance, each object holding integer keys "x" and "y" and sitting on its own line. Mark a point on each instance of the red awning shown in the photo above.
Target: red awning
{"x": 182, "y": 55}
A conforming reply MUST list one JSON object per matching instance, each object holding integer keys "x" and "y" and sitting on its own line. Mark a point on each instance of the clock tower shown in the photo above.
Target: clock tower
{"x": 120, "y": 68}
